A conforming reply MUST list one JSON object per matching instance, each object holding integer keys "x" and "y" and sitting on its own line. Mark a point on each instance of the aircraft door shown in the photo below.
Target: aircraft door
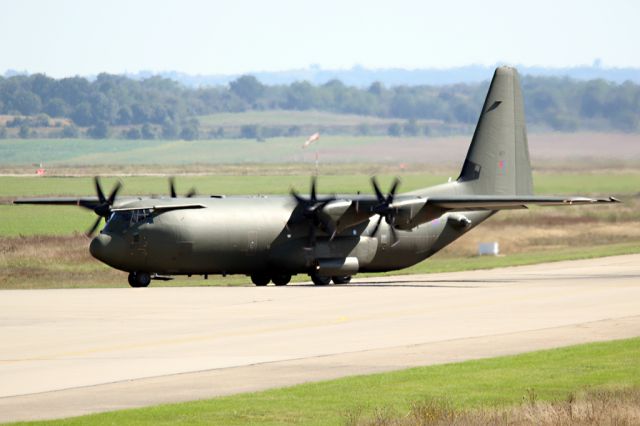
{"x": 138, "y": 245}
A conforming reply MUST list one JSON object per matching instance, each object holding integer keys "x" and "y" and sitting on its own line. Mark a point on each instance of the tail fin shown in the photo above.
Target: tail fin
{"x": 498, "y": 159}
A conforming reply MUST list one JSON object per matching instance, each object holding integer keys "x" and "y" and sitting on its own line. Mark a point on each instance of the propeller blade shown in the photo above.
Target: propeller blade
{"x": 313, "y": 189}
{"x": 376, "y": 188}
{"x": 172, "y": 188}
{"x": 93, "y": 228}
{"x": 101, "y": 196}
{"x": 299, "y": 199}
{"x": 192, "y": 193}
{"x": 375, "y": 229}
{"x": 392, "y": 192}
{"x": 114, "y": 193}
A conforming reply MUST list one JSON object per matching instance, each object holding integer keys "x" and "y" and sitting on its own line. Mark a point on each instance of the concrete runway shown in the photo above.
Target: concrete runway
{"x": 72, "y": 352}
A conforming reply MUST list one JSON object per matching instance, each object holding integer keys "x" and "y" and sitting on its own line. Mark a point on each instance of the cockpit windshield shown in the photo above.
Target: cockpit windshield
{"x": 121, "y": 220}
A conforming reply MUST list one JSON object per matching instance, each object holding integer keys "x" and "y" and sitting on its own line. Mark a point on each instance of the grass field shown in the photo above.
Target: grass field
{"x": 495, "y": 383}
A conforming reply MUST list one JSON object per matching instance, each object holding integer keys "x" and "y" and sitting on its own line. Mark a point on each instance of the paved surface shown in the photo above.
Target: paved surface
{"x": 71, "y": 352}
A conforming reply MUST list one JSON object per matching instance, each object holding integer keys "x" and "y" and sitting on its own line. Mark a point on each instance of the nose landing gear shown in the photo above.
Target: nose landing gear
{"x": 139, "y": 279}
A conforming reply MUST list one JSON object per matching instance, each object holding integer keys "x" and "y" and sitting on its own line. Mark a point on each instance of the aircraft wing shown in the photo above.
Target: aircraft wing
{"x": 161, "y": 207}
{"x": 86, "y": 202}
{"x": 411, "y": 212}
{"x": 499, "y": 202}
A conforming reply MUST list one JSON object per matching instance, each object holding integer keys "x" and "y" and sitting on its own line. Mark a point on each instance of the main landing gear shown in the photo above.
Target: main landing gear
{"x": 264, "y": 279}
{"x": 139, "y": 279}
{"x": 324, "y": 280}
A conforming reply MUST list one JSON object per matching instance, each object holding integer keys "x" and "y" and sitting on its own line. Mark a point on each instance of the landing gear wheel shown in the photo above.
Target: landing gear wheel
{"x": 343, "y": 279}
{"x": 139, "y": 279}
{"x": 260, "y": 279}
{"x": 320, "y": 280}
{"x": 281, "y": 279}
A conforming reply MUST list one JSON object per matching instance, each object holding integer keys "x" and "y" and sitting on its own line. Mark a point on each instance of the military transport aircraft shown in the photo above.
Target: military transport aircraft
{"x": 328, "y": 237}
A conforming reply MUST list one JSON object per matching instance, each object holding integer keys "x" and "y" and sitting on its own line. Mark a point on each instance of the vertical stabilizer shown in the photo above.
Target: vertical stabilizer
{"x": 498, "y": 158}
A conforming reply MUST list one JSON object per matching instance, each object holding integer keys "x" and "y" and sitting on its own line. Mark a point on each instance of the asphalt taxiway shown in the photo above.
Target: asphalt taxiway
{"x": 71, "y": 352}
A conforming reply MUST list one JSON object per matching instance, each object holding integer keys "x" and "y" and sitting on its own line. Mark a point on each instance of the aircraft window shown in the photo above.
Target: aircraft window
{"x": 118, "y": 221}
{"x": 121, "y": 220}
{"x": 141, "y": 215}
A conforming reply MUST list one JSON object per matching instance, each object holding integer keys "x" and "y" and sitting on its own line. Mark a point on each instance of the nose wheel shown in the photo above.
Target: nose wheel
{"x": 139, "y": 279}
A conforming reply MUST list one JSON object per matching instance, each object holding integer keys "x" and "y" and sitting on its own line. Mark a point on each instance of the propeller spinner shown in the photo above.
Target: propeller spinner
{"x": 384, "y": 208}
{"x": 103, "y": 210}
{"x": 311, "y": 211}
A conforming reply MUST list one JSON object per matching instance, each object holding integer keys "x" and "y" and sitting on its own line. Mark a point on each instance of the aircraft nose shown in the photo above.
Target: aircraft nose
{"x": 98, "y": 246}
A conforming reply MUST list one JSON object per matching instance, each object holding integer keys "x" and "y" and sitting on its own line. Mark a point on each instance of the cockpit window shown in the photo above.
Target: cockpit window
{"x": 121, "y": 220}
{"x": 141, "y": 215}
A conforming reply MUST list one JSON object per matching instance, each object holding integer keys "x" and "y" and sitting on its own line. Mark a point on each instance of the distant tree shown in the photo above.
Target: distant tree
{"x": 133, "y": 133}
{"x": 394, "y": 129}
{"x": 103, "y": 108}
{"x": 464, "y": 113}
{"x": 249, "y": 131}
{"x": 82, "y": 114}
{"x": 170, "y": 130}
{"x": 140, "y": 113}
{"x": 190, "y": 130}
{"x": 24, "y": 132}
{"x": 99, "y": 131}
{"x": 364, "y": 129}
{"x": 70, "y": 131}
{"x": 148, "y": 132}
{"x": 376, "y": 88}
{"x": 271, "y": 132}
{"x": 3, "y": 132}
{"x": 411, "y": 128}
{"x": 219, "y": 133}
{"x": 626, "y": 121}
{"x": 26, "y": 103}
{"x": 300, "y": 96}
{"x": 294, "y": 131}
{"x": 247, "y": 88}
{"x": 124, "y": 116}
{"x": 56, "y": 107}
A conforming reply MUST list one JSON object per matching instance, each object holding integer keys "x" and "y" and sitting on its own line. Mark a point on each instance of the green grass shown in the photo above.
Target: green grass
{"x": 85, "y": 152}
{"x": 495, "y": 382}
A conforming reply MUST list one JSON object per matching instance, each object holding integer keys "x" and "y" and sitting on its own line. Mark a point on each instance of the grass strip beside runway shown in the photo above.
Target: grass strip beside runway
{"x": 495, "y": 383}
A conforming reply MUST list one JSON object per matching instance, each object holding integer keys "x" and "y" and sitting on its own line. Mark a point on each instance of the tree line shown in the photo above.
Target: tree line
{"x": 160, "y": 107}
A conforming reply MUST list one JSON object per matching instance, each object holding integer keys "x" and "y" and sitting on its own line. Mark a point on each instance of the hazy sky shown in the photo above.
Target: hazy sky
{"x": 221, "y": 37}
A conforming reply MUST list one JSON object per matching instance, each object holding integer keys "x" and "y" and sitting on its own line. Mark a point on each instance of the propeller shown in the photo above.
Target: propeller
{"x": 103, "y": 209}
{"x": 172, "y": 189}
{"x": 311, "y": 208}
{"x": 383, "y": 208}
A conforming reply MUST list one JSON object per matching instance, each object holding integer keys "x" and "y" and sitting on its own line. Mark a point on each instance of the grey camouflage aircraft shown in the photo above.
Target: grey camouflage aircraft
{"x": 328, "y": 237}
